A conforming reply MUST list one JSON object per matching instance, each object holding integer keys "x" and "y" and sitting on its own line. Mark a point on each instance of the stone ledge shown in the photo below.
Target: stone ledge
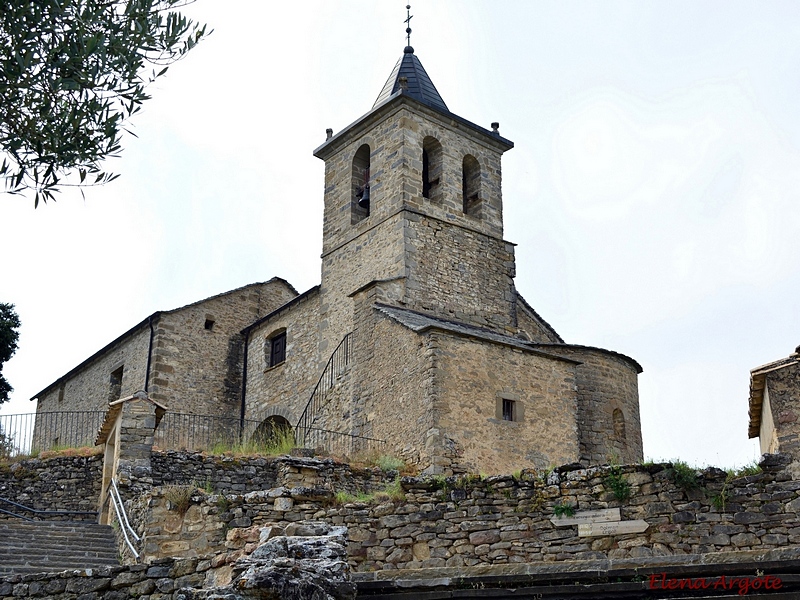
{"x": 785, "y": 559}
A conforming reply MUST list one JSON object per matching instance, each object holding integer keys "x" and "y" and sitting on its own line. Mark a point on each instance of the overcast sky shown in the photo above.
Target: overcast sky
{"x": 652, "y": 192}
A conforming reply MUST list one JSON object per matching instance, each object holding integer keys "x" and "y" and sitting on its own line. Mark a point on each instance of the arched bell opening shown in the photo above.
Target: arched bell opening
{"x": 431, "y": 168}
{"x": 360, "y": 201}
{"x": 273, "y": 432}
{"x": 471, "y": 186}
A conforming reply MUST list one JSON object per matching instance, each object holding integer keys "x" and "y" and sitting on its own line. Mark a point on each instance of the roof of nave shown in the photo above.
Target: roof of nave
{"x": 421, "y": 322}
{"x": 151, "y": 319}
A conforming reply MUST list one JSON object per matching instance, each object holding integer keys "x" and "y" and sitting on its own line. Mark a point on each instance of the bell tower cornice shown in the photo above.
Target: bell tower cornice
{"x": 394, "y": 103}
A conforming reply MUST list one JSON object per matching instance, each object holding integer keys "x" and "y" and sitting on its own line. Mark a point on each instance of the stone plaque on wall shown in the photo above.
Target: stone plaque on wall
{"x": 612, "y": 528}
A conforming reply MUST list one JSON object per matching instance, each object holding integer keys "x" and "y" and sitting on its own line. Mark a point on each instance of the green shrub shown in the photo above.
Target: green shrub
{"x": 389, "y": 463}
{"x": 616, "y": 482}
{"x": 684, "y": 476}
{"x": 563, "y": 510}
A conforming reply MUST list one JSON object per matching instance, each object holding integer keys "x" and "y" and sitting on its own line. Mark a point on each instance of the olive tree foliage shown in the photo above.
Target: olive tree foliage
{"x": 72, "y": 72}
{"x": 9, "y": 323}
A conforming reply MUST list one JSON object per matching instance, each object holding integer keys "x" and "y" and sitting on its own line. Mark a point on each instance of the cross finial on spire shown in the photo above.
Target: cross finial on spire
{"x": 408, "y": 25}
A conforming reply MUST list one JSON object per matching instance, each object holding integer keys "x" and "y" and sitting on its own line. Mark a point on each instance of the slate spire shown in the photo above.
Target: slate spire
{"x": 417, "y": 83}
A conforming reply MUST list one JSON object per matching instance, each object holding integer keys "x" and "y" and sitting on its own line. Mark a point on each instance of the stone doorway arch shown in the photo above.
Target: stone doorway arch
{"x": 272, "y": 431}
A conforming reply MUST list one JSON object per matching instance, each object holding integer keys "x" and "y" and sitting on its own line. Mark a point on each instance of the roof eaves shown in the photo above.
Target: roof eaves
{"x": 758, "y": 382}
{"x": 539, "y": 317}
{"x": 280, "y": 309}
{"x": 330, "y": 145}
{"x": 624, "y": 357}
{"x": 103, "y": 350}
{"x": 465, "y": 330}
{"x": 239, "y": 289}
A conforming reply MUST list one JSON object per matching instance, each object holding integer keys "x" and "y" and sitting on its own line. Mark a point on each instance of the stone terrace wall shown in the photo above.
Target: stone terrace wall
{"x": 504, "y": 519}
{"x": 158, "y": 580}
{"x": 214, "y": 523}
{"x": 59, "y": 483}
{"x": 253, "y": 473}
{"x": 220, "y": 473}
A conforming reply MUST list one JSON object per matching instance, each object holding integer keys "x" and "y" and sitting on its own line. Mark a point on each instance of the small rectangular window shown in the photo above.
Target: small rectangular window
{"x": 209, "y": 324}
{"x": 508, "y": 410}
{"x": 277, "y": 349}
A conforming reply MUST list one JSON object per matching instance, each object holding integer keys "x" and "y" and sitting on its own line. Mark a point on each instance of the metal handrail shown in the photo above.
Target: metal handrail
{"x": 124, "y": 514}
{"x": 119, "y": 509}
{"x": 41, "y": 512}
{"x": 340, "y": 358}
{"x": 13, "y": 514}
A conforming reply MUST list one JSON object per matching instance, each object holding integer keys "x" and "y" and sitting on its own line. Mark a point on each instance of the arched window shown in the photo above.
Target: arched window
{"x": 431, "y": 167}
{"x": 360, "y": 203}
{"x": 471, "y": 186}
{"x": 619, "y": 425}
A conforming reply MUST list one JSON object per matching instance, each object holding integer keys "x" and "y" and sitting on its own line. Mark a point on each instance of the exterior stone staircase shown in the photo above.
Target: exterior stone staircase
{"x": 38, "y": 547}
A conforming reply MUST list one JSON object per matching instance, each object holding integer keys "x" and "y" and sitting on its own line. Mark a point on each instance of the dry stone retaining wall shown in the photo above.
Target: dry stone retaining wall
{"x": 59, "y": 483}
{"x": 502, "y": 519}
{"x": 156, "y": 581}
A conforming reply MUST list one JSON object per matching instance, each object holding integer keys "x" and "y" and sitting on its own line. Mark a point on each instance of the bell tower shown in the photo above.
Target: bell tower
{"x": 413, "y": 204}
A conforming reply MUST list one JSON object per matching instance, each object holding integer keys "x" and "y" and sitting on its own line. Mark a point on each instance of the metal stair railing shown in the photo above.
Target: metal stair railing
{"x": 336, "y": 365}
{"x": 122, "y": 518}
{"x": 34, "y": 511}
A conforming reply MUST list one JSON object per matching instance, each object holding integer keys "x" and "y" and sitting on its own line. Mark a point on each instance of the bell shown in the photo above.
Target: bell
{"x": 363, "y": 202}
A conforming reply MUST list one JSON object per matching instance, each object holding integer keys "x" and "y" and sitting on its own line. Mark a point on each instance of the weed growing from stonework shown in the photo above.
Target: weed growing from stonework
{"x": 616, "y": 482}
{"x": 180, "y": 497}
{"x": 279, "y": 442}
{"x": 719, "y": 500}
{"x": 745, "y": 471}
{"x": 343, "y": 497}
{"x": 684, "y": 476}
{"x": 563, "y": 510}
{"x": 223, "y": 503}
{"x": 388, "y": 463}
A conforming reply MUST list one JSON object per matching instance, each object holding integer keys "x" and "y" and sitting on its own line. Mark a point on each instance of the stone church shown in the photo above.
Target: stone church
{"x": 416, "y": 335}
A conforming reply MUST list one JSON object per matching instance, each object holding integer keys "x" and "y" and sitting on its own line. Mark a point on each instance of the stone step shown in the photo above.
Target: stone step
{"x": 29, "y": 547}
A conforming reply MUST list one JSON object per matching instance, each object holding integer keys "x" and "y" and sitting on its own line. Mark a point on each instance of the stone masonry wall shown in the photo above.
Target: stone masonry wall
{"x": 783, "y": 392}
{"x": 58, "y": 483}
{"x": 393, "y": 384}
{"x": 607, "y": 382}
{"x": 460, "y": 274}
{"x": 504, "y": 519}
{"x": 199, "y": 530}
{"x": 198, "y": 370}
{"x": 285, "y": 388}
{"x": 90, "y": 388}
{"x": 159, "y": 580}
{"x": 474, "y": 377}
{"x": 377, "y": 253}
{"x": 219, "y": 473}
{"x": 530, "y": 323}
